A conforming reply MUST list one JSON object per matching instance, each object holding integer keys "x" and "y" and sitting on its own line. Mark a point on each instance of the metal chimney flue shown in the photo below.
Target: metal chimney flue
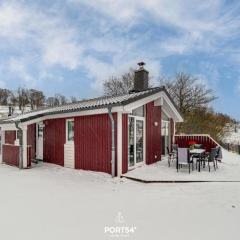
{"x": 141, "y": 78}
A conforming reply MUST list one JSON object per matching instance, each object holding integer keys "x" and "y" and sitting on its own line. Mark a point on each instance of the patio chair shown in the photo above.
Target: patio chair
{"x": 174, "y": 149}
{"x": 198, "y": 159}
{"x": 183, "y": 158}
{"x": 211, "y": 158}
{"x": 218, "y": 155}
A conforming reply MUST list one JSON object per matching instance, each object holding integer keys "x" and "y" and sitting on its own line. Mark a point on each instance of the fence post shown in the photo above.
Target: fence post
{"x": 239, "y": 149}
{"x": 228, "y": 147}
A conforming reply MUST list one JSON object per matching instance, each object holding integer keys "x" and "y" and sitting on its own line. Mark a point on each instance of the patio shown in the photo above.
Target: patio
{"x": 228, "y": 171}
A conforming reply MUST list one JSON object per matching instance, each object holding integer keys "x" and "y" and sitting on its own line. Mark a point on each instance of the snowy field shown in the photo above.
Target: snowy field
{"x": 228, "y": 170}
{"x": 53, "y": 203}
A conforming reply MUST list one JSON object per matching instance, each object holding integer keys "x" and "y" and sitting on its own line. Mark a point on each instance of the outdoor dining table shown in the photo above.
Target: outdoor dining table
{"x": 199, "y": 153}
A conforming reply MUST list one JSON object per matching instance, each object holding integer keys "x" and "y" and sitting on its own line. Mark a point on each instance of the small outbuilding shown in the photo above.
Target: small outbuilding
{"x": 106, "y": 134}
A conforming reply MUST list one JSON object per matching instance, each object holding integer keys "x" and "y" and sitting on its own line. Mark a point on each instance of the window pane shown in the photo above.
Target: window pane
{"x": 40, "y": 131}
{"x": 131, "y": 141}
{"x": 70, "y": 130}
{"x": 139, "y": 141}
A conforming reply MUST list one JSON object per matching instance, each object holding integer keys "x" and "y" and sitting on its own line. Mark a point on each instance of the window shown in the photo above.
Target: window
{"x": 40, "y": 131}
{"x": 70, "y": 130}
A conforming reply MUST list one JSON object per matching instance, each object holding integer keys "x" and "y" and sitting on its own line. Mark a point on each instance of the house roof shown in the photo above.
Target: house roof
{"x": 91, "y": 104}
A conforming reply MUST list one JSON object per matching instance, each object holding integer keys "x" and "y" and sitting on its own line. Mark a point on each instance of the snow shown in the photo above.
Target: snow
{"x": 233, "y": 137}
{"x": 228, "y": 170}
{"x": 49, "y": 202}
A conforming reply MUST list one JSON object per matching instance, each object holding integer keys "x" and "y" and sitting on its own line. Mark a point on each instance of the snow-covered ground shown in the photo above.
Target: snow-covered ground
{"x": 53, "y": 203}
{"x": 233, "y": 137}
{"x": 228, "y": 170}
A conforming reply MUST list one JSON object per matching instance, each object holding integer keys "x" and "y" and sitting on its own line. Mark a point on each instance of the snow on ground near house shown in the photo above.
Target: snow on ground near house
{"x": 233, "y": 137}
{"x": 228, "y": 170}
{"x": 53, "y": 203}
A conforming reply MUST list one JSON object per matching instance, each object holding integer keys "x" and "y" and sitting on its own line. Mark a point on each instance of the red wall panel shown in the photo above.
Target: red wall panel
{"x": 54, "y": 140}
{"x": 124, "y": 143}
{"x": 10, "y": 154}
{"x": 92, "y": 137}
{"x": 153, "y": 133}
{"x": 31, "y": 141}
{"x": 10, "y": 137}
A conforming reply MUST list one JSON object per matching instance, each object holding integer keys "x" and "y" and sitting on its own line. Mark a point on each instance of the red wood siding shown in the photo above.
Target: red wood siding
{"x": 92, "y": 137}
{"x": 183, "y": 141}
{"x": 29, "y": 156}
{"x": 124, "y": 143}
{"x": 10, "y": 154}
{"x": 31, "y": 141}
{"x": 10, "y": 137}
{"x": 153, "y": 133}
{"x": 54, "y": 140}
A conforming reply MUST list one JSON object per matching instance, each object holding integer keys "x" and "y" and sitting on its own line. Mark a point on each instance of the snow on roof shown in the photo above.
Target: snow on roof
{"x": 90, "y": 104}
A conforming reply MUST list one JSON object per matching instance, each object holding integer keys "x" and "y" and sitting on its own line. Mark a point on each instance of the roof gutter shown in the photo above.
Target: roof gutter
{"x": 113, "y": 140}
{"x": 20, "y": 145}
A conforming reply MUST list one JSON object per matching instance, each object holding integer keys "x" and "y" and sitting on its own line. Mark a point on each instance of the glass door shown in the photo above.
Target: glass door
{"x": 131, "y": 142}
{"x": 165, "y": 136}
{"x": 135, "y": 140}
{"x": 139, "y": 141}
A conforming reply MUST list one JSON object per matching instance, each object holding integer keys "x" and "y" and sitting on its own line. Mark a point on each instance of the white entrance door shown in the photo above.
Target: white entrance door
{"x": 69, "y": 154}
{"x": 39, "y": 141}
{"x": 136, "y": 141}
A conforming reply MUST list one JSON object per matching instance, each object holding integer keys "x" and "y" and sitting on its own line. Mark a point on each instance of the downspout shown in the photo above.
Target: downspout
{"x": 113, "y": 140}
{"x": 20, "y": 145}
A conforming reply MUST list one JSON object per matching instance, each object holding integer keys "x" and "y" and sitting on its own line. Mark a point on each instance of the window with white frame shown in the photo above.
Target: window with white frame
{"x": 70, "y": 130}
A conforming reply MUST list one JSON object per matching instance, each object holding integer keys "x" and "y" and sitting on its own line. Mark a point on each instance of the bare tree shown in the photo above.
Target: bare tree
{"x": 36, "y": 98}
{"x": 193, "y": 99}
{"x": 22, "y": 98}
{"x": 57, "y": 100}
{"x": 73, "y": 99}
{"x": 61, "y": 99}
{"x": 119, "y": 85}
{"x": 5, "y": 96}
{"x": 188, "y": 92}
{"x": 50, "y": 101}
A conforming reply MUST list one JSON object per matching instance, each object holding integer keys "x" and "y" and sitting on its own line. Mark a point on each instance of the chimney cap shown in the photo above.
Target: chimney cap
{"x": 141, "y": 64}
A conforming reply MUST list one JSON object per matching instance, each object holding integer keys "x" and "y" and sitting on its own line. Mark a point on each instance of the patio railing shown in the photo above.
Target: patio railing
{"x": 10, "y": 154}
{"x": 206, "y": 140}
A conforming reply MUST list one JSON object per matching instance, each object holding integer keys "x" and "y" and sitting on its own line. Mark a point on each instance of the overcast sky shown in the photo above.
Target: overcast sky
{"x": 71, "y": 46}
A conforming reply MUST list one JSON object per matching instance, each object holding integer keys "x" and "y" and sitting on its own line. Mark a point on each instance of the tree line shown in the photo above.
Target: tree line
{"x": 193, "y": 98}
{"x": 32, "y": 98}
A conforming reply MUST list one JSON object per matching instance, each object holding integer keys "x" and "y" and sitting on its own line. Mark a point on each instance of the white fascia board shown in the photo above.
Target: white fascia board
{"x": 129, "y": 107}
{"x": 176, "y": 115}
{"x": 158, "y": 99}
{"x": 158, "y": 102}
{"x": 8, "y": 127}
{"x": 74, "y": 114}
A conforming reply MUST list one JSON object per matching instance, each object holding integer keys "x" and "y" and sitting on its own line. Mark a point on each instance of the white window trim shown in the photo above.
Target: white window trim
{"x": 67, "y": 141}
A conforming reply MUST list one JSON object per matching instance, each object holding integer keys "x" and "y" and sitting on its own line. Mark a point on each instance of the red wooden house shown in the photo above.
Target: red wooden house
{"x": 107, "y": 134}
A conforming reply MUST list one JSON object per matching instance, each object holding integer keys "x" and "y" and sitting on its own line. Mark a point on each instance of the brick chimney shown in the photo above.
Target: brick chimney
{"x": 141, "y": 78}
